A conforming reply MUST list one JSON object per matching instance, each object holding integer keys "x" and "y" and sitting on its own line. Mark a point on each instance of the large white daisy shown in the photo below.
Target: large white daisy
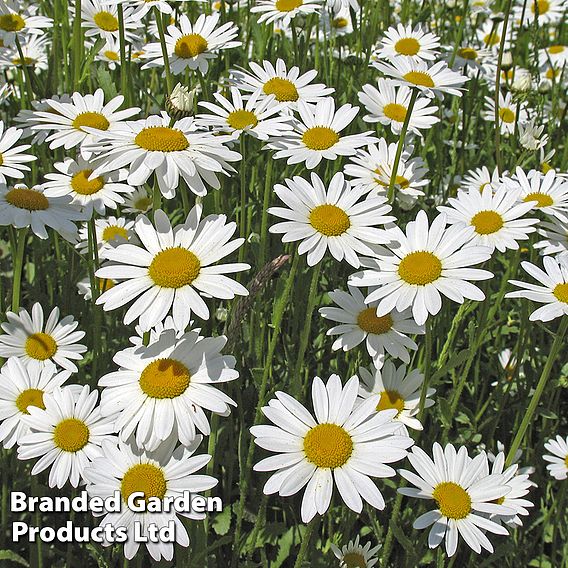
{"x": 173, "y": 269}
{"x": 282, "y": 12}
{"x": 36, "y": 342}
{"x": 343, "y": 446}
{"x": 163, "y": 389}
{"x": 423, "y": 264}
{"x": 407, "y": 43}
{"x": 334, "y": 218}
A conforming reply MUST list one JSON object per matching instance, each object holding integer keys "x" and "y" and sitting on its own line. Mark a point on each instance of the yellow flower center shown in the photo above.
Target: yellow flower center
{"x": 542, "y": 199}
{"x": 487, "y": 222}
{"x": 320, "y": 138}
{"x": 420, "y": 268}
{"x": 339, "y": 23}
{"x": 143, "y": 203}
{"x": 407, "y": 46}
{"x": 113, "y": 232}
{"x": 91, "y": 119}
{"x": 161, "y": 139}
{"x": 174, "y": 268}
{"x": 401, "y": 181}
{"x": 561, "y": 292}
{"x": 556, "y": 49}
{"x": 328, "y": 446}
{"x": 71, "y": 435}
{"x": 81, "y": 184}
{"x": 552, "y": 73}
{"x": 542, "y": 5}
{"x": 282, "y": 89}
{"x": 106, "y": 21}
{"x": 453, "y": 501}
{"x": 30, "y": 397}
{"x": 112, "y": 55}
{"x": 545, "y": 167}
{"x": 105, "y": 284}
{"x": 369, "y": 321}
{"x": 329, "y": 220}
{"x": 492, "y": 39}
{"x": 12, "y": 22}
{"x": 27, "y": 61}
{"x": 241, "y": 119}
{"x": 507, "y": 115}
{"x": 40, "y": 346}
{"x": 467, "y": 53}
{"x": 391, "y": 399}
{"x": 144, "y": 478}
{"x": 26, "y": 198}
{"x": 165, "y": 378}
{"x": 354, "y": 560}
{"x": 190, "y": 45}
{"x": 395, "y": 112}
{"x": 419, "y": 78}
{"x": 288, "y": 5}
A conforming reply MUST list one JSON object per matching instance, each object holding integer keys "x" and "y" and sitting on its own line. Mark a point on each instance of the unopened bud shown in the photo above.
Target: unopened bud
{"x": 544, "y": 87}
{"x": 180, "y": 103}
{"x": 522, "y": 82}
{"x": 507, "y": 61}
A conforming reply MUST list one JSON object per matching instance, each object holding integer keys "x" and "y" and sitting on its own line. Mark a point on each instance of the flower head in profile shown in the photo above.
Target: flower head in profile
{"x": 558, "y": 457}
{"x": 354, "y": 554}
{"x": 282, "y": 12}
{"x": 344, "y": 446}
{"x": 12, "y": 158}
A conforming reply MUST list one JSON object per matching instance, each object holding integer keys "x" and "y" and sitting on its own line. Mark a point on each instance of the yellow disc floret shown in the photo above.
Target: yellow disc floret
{"x": 241, "y": 119}
{"x": 328, "y": 446}
{"x": 30, "y": 397}
{"x": 144, "y": 478}
{"x": 83, "y": 186}
{"x": 329, "y": 220}
{"x": 453, "y": 500}
{"x": 190, "y": 46}
{"x": 161, "y": 139}
{"x": 282, "y": 89}
{"x": 320, "y": 138}
{"x": 420, "y": 268}
{"x": 40, "y": 346}
{"x": 92, "y": 120}
{"x": 369, "y": 321}
{"x": 487, "y": 222}
{"x": 165, "y": 378}
{"x": 407, "y": 46}
{"x": 71, "y": 435}
{"x": 26, "y": 198}
{"x": 174, "y": 268}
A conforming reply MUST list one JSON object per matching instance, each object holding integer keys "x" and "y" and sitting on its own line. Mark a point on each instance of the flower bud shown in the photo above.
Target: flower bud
{"x": 180, "y": 103}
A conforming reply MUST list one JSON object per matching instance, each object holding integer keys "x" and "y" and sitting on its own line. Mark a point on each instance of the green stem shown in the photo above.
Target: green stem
{"x": 427, "y": 367}
{"x": 123, "y": 61}
{"x": 27, "y": 77}
{"x": 243, "y": 208}
{"x": 160, "y": 23}
{"x": 389, "y": 539}
{"x": 304, "y": 547}
{"x": 18, "y": 266}
{"x": 400, "y": 147}
{"x": 535, "y": 399}
{"x": 77, "y": 45}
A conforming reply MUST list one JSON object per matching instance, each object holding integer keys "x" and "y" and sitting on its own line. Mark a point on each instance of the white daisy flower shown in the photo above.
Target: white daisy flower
{"x": 558, "y": 466}
{"x": 337, "y": 5}
{"x": 495, "y": 217}
{"x": 436, "y": 79}
{"x": 335, "y": 23}
{"x": 75, "y": 180}
{"x": 554, "y": 55}
{"x": 489, "y": 35}
{"x": 69, "y": 121}
{"x": 22, "y": 206}
{"x": 359, "y": 322}
{"x": 543, "y": 12}
{"x": 15, "y": 18}
{"x": 36, "y": 343}
{"x": 163, "y": 389}
{"x": 170, "y": 151}
{"x": 397, "y": 390}
{"x": 407, "y": 43}
{"x": 426, "y": 262}
{"x": 100, "y": 19}
{"x": 530, "y": 135}
{"x": 316, "y": 135}
{"x": 282, "y": 12}
{"x": 34, "y": 50}
{"x": 463, "y": 494}
{"x": 21, "y": 387}
{"x": 66, "y": 435}
{"x": 356, "y": 555}
{"x": 479, "y": 178}
{"x": 84, "y": 287}
{"x": 519, "y": 484}
{"x": 343, "y": 446}
{"x": 555, "y": 240}
{"x": 522, "y": 470}
{"x": 548, "y": 192}
{"x": 192, "y": 46}
{"x": 552, "y": 292}
{"x": 110, "y": 53}
{"x": 155, "y": 333}
{"x": 12, "y": 159}
{"x": 372, "y": 168}
{"x": 388, "y": 105}
{"x": 137, "y": 202}
{"x": 333, "y": 218}
{"x": 507, "y": 112}
{"x": 237, "y": 117}
{"x": 287, "y": 86}
{"x": 110, "y": 233}
{"x": 164, "y": 474}
{"x": 173, "y": 269}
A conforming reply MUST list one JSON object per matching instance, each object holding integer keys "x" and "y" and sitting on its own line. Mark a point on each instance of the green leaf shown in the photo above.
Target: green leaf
{"x": 13, "y": 557}
{"x": 453, "y": 361}
{"x": 222, "y": 522}
{"x": 445, "y": 412}
{"x": 97, "y": 556}
{"x": 105, "y": 82}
